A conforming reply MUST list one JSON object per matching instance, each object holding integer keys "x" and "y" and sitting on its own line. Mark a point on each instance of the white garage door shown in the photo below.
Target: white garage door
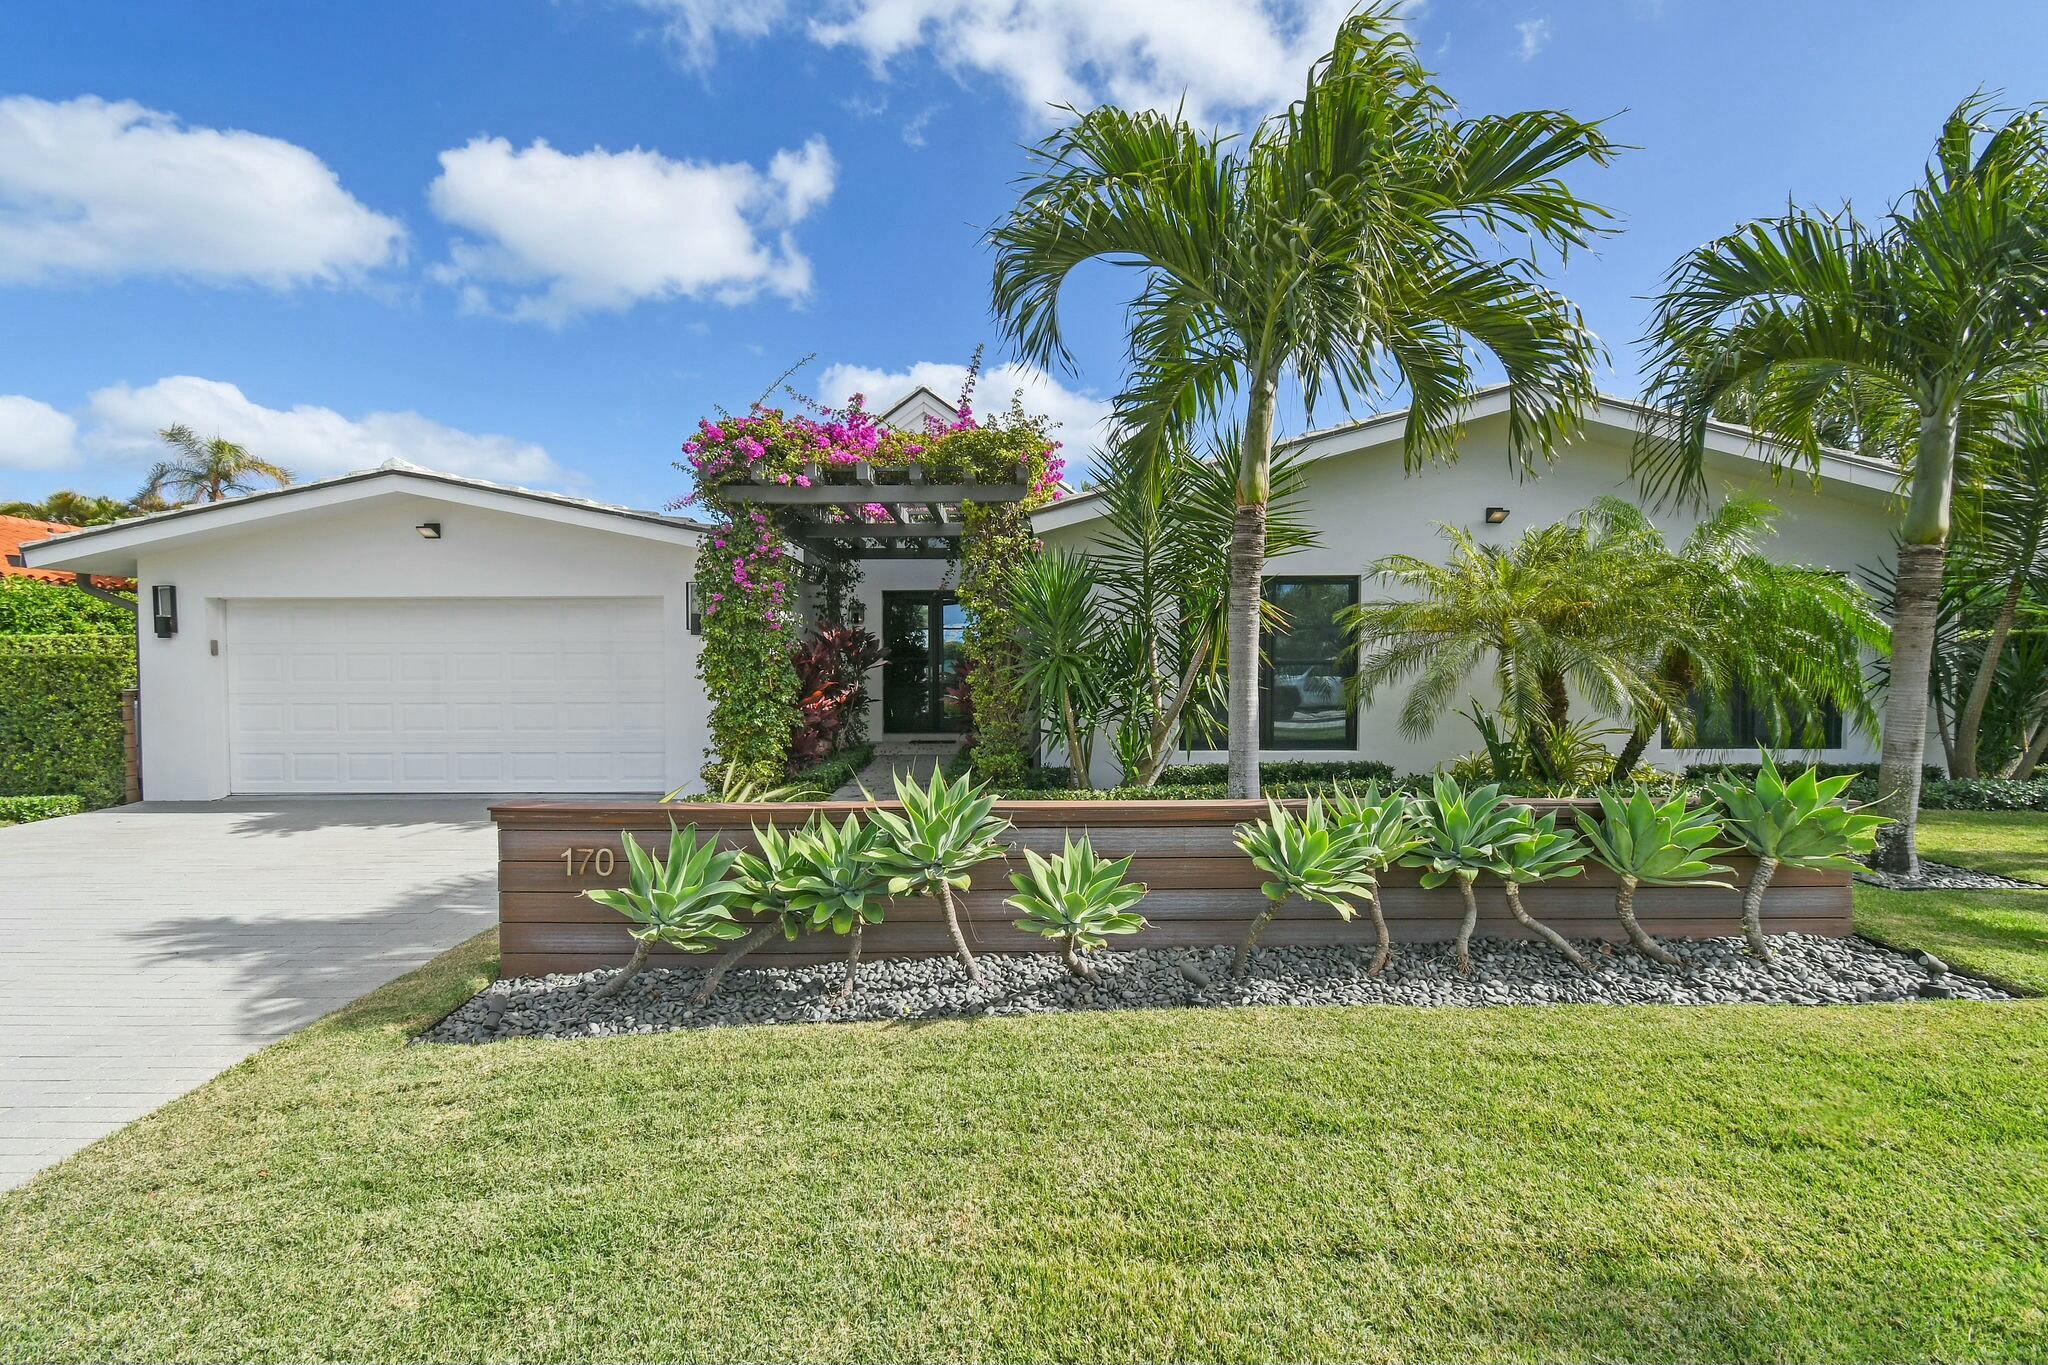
{"x": 445, "y": 694}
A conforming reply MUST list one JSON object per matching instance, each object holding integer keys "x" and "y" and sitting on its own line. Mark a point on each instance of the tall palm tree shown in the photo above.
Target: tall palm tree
{"x": 1930, "y": 321}
{"x": 1351, "y": 242}
{"x": 206, "y": 470}
{"x": 2003, "y": 538}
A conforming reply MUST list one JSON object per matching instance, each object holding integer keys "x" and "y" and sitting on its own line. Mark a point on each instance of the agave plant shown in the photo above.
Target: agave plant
{"x": 1464, "y": 834}
{"x": 1801, "y": 823}
{"x": 1646, "y": 843}
{"x": 944, "y": 831}
{"x": 831, "y": 881}
{"x": 1542, "y": 853}
{"x": 765, "y": 872}
{"x": 1076, "y": 897}
{"x": 735, "y": 788}
{"x": 1379, "y": 831}
{"x": 1306, "y": 855}
{"x": 684, "y": 900}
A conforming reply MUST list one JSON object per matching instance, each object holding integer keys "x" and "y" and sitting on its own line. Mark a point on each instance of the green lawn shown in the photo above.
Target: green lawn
{"x": 1655, "y": 1184}
{"x": 2001, "y": 934}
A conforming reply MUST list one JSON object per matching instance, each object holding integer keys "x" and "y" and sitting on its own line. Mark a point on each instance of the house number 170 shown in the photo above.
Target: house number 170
{"x": 577, "y": 862}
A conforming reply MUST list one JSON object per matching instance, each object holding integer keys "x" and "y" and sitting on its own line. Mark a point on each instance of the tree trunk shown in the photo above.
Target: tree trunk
{"x": 1169, "y": 718}
{"x": 1384, "y": 952}
{"x": 1466, "y": 925}
{"x": 1070, "y": 952}
{"x": 1753, "y": 908}
{"x": 1241, "y": 962}
{"x": 1922, "y": 548}
{"x": 1970, "y": 721}
{"x": 629, "y": 971}
{"x": 1631, "y": 752}
{"x": 1247, "y": 581}
{"x": 852, "y": 963}
{"x": 2036, "y": 750}
{"x": 761, "y": 935}
{"x": 1544, "y": 931}
{"x": 1625, "y": 908}
{"x": 959, "y": 939}
{"x": 1077, "y": 761}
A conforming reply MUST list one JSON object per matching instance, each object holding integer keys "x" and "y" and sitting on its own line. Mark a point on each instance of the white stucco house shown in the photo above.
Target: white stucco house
{"x": 401, "y": 630}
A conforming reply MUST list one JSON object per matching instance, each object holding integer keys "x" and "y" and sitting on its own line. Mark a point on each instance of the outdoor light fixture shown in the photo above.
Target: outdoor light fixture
{"x": 163, "y": 605}
{"x": 429, "y": 530}
{"x": 1496, "y": 515}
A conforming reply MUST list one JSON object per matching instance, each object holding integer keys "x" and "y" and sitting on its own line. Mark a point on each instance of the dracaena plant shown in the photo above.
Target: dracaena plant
{"x": 1801, "y": 823}
{"x": 1077, "y": 898}
{"x": 1306, "y": 855}
{"x": 684, "y": 900}
{"x": 932, "y": 847}
{"x": 1464, "y": 834}
{"x": 764, "y": 872}
{"x": 1542, "y": 853}
{"x": 831, "y": 881}
{"x": 1380, "y": 829}
{"x": 1649, "y": 843}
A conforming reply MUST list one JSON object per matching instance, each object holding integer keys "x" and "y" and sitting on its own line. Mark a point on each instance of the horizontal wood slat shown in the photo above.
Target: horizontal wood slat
{"x": 1203, "y": 891}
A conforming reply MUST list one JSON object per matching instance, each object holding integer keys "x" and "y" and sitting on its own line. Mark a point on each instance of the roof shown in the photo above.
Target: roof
{"x": 1614, "y": 414}
{"x": 913, "y": 407}
{"x": 18, "y": 531}
{"x": 105, "y": 549}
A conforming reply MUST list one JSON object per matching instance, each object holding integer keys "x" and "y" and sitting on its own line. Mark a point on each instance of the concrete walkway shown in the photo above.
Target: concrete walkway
{"x": 146, "y": 948}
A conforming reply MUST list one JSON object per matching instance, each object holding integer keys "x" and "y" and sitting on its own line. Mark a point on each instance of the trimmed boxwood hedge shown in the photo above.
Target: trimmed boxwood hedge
{"x": 20, "y": 810}
{"x": 60, "y": 715}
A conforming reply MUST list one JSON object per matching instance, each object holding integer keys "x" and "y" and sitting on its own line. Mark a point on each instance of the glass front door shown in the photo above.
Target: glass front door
{"x": 923, "y": 684}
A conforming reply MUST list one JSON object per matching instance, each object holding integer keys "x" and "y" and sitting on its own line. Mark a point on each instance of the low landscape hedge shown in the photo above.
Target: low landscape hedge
{"x": 60, "y": 715}
{"x": 1190, "y": 782}
{"x": 827, "y": 777}
{"x": 1972, "y": 793}
{"x": 29, "y": 606}
{"x": 22, "y": 810}
{"x": 1746, "y": 772}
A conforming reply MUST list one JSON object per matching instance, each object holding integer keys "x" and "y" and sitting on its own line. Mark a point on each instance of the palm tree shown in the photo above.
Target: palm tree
{"x": 1352, "y": 237}
{"x": 2003, "y": 536}
{"x": 1929, "y": 322}
{"x": 206, "y": 470}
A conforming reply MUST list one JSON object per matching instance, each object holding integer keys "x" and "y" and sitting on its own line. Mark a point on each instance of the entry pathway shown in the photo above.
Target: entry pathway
{"x": 146, "y": 948}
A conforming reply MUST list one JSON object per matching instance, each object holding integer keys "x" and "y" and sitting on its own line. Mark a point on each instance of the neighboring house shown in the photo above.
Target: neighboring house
{"x": 402, "y": 630}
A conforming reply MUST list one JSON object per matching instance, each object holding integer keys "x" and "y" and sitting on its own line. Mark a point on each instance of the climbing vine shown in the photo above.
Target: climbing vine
{"x": 743, "y": 586}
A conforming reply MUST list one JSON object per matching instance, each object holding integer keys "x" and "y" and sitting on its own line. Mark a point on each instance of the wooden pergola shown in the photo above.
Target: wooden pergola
{"x": 923, "y": 518}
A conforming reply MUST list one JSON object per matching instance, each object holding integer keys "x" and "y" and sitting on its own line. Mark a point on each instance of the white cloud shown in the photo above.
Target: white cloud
{"x": 1535, "y": 35}
{"x": 555, "y": 235}
{"x": 312, "y": 442}
{"x": 692, "y": 27}
{"x": 1081, "y": 418}
{"x": 93, "y": 189}
{"x": 34, "y": 435}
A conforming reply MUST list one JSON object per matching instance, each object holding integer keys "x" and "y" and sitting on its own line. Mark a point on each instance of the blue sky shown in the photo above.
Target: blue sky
{"x": 535, "y": 240}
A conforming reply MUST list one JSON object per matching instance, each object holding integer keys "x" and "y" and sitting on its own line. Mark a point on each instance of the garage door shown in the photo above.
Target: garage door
{"x": 445, "y": 694}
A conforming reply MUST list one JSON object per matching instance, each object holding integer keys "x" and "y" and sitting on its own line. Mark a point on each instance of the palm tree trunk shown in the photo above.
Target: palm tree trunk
{"x": 1247, "y": 575}
{"x": 629, "y": 971}
{"x": 1241, "y": 961}
{"x": 1923, "y": 546}
{"x": 725, "y": 964}
{"x": 1753, "y": 908}
{"x": 852, "y": 964}
{"x": 1077, "y": 762}
{"x": 1168, "y": 722}
{"x": 1631, "y": 752}
{"x": 1970, "y": 722}
{"x": 1544, "y": 931}
{"x": 1070, "y": 953}
{"x": 1466, "y": 925}
{"x": 1384, "y": 953}
{"x": 2030, "y": 758}
{"x": 1625, "y": 909}
{"x": 959, "y": 939}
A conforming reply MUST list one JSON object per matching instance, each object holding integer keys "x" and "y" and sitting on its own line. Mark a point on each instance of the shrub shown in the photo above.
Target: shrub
{"x": 1541, "y": 853}
{"x": 1967, "y": 793}
{"x": 1463, "y": 835}
{"x": 1650, "y": 843}
{"x": 1306, "y": 855}
{"x": 1380, "y": 829}
{"x": 22, "y": 810}
{"x": 833, "y": 879}
{"x": 944, "y": 831}
{"x": 1747, "y": 772}
{"x": 29, "y": 606}
{"x": 1800, "y": 823}
{"x": 1076, "y": 898}
{"x": 684, "y": 900}
{"x": 60, "y": 715}
{"x": 832, "y": 664}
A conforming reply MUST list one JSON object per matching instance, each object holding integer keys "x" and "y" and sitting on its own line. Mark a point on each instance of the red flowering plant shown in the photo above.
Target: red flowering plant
{"x": 832, "y": 665}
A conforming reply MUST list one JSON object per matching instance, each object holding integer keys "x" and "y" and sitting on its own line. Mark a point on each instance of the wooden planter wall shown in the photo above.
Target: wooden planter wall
{"x": 1202, "y": 889}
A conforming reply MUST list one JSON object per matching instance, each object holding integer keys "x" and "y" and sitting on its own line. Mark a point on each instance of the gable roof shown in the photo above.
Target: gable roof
{"x": 18, "y": 531}
{"x": 1607, "y": 412}
{"x": 104, "y": 549}
{"x": 915, "y": 406}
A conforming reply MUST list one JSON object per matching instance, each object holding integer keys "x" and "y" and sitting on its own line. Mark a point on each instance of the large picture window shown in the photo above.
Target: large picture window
{"x": 1304, "y": 687}
{"x": 1736, "y": 722}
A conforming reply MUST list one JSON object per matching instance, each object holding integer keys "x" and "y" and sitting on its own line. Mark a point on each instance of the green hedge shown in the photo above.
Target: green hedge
{"x": 820, "y": 780}
{"x": 1054, "y": 782}
{"x": 1973, "y": 793}
{"x": 20, "y": 810}
{"x": 29, "y": 606}
{"x": 60, "y": 715}
{"x": 1746, "y": 772}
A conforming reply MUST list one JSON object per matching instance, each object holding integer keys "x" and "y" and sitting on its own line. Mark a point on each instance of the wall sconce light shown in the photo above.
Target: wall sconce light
{"x": 163, "y": 605}
{"x": 693, "y": 617}
{"x": 1496, "y": 515}
{"x": 429, "y": 530}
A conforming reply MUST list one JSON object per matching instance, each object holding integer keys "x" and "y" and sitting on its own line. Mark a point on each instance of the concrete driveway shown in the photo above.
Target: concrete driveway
{"x": 146, "y": 948}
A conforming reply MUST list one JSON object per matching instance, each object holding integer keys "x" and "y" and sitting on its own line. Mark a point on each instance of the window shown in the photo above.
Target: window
{"x": 1304, "y": 700}
{"x": 1736, "y": 722}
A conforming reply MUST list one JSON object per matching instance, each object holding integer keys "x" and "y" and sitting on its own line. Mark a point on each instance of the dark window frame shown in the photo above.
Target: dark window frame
{"x": 938, "y": 600}
{"x": 1347, "y": 656}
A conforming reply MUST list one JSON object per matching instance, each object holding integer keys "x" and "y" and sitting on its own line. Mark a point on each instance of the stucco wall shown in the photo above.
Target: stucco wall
{"x": 370, "y": 549}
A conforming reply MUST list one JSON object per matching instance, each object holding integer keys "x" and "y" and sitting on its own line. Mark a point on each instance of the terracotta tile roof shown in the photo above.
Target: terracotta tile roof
{"x": 14, "y": 531}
